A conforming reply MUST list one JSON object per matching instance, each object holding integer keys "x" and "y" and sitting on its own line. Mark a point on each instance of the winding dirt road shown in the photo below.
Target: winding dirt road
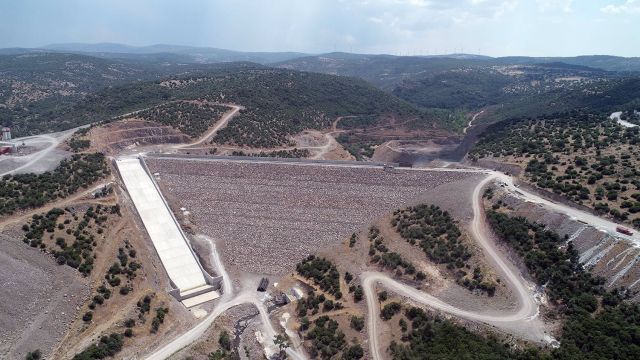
{"x": 464, "y": 131}
{"x": 222, "y": 122}
{"x": 521, "y": 322}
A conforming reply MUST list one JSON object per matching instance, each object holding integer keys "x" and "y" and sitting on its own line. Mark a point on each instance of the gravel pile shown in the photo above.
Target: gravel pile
{"x": 267, "y": 217}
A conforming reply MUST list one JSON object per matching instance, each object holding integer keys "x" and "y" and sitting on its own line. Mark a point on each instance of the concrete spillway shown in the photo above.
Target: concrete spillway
{"x": 192, "y": 284}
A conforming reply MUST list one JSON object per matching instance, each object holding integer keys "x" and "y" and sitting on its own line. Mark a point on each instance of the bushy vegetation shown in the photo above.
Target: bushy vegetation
{"x": 442, "y": 339}
{"x": 632, "y": 116}
{"x": 28, "y": 191}
{"x": 567, "y": 283}
{"x": 600, "y": 324}
{"x": 77, "y": 145}
{"x": 357, "y": 322}
{"x": 35, "y": 86}
{"x": 286, "y": 154}
{"x": 34, "y": 355}
{"x": 108, "y": 346}
{"x": 161, "y": 312}
{"x": 437, "y": 234}
{"x": 278, "y": 103}
{"x": 328, "y": 341}
{"x": 224, "y": 340}
{"x": 192, "y": 118}
{"x": 390, "y": 260}
{"x": 144, "y": 306}
{"x": 124, "y": 266}
{"x": 78, "y": 141}
{"x": 78, "y": 254}
{"x": 312, "y": 302}
{"x": 469, "y": 89}
{"x": 358, "y": 122}
{"x": 323, "y": 272}
{"x": 609, "y": 334}
{"x": 585, "y": 157}
{"x": 359, "y": 147}
{"x": 390, "y": 310}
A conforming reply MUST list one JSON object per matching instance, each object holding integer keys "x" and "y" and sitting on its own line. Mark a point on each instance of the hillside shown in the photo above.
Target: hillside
{"x": 585, "y": 157}
{"x": 50, "y": 91}
{"x": 387, "y": 70}
{"x": 188, "y": 54}
{"x": 36, "y": 85}
{"x": 603, "y": 62}
{"x": 519, "y": 85}
{"x": 384, "y": 71}
{"x": 277, "y": 102}
{"x": 600, "y": 96}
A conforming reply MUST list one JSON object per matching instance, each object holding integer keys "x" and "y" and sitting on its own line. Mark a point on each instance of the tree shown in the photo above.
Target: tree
{"x": 358, "y": 294}
{"x": 357, "y": 322}
{"x": 34, "y": 355}
{"x": 283, "y": 341}
{"x": 87, "y": 317}
{"x": 353, "y": 352}
{"x": 224, "y": 340}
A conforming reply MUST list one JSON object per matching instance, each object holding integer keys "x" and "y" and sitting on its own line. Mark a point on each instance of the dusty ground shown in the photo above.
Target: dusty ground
{"x": 424, "y": 150}
{"x": 39, "y": 299}
{"x": 439, "y": 281}
{"x": 279, "y": 213}
{"x": 47, "y": 301}
{"x": 566, "y": 162}
{"x": 41, "y": 153}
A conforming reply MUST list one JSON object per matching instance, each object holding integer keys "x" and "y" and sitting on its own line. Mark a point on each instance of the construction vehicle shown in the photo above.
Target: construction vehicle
{"x": 624, "y": 230}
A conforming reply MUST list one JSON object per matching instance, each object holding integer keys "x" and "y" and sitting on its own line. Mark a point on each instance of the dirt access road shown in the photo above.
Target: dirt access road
{"x": 224, "y": 120}
{"x": 472, "y": 120}
{"x": 521, "y": 322}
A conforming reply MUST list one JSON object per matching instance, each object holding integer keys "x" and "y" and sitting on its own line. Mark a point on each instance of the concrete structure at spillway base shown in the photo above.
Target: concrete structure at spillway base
{"x": 192, "y": 284}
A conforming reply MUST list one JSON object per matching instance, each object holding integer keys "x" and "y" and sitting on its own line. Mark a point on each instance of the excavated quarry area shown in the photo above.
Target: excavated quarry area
{"x": 267, "y": 216}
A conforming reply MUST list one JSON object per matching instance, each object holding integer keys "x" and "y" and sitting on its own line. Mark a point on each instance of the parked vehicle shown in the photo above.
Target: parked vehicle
{"x": 624, "y": 230}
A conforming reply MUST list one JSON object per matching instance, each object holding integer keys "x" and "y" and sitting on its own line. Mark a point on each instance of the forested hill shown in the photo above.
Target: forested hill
{"x": 36, "y": 85}
{"x": 384, "y": 71}
{"x": 278, "y": 102}
{"x": 518, "y": 85}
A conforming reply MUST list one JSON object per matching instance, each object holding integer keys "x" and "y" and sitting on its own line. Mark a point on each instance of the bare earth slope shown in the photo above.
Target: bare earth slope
{"x": 38, "y": 299}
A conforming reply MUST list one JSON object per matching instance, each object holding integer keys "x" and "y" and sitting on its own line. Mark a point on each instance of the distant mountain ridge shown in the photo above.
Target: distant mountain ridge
{"x": 38, "y": 82}
{"x": 186, "y": 53}
{"x": 194, "y": 54}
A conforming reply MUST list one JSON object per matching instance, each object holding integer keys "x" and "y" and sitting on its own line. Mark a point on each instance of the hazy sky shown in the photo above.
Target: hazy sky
{"x": 491, "y": 27}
